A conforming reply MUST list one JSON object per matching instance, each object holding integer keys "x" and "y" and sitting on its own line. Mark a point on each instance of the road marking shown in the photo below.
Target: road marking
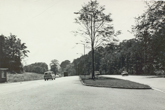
{"x": 158, "y": 90}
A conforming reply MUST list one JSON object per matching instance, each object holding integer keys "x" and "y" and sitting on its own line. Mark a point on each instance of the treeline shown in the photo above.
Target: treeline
{"x": 129, "y": 55}
{"x": 36, "y": 67}
{"x": 43, "y": 67}
{"x": 142, "y": 55}
{"x": 12, "y": 51}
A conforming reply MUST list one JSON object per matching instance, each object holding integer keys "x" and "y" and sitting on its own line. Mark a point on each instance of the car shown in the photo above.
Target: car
{"x": 49, "y": 75}
{"x": 97, "y": 73}
{"x": 159, "y": 72}
{"x": 124, "y": 73}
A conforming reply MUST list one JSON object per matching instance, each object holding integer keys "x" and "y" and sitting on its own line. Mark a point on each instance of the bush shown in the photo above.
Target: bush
{"x": 27, "y": 76}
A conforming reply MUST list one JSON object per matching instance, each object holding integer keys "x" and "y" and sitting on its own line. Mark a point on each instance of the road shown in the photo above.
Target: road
{"x": 69, "y": 94}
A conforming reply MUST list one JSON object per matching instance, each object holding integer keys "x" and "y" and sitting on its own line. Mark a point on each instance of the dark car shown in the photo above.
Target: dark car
{"x": 49, "y": 75}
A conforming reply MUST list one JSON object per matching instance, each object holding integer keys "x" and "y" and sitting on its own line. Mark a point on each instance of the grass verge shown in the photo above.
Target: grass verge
{"x": 112, "y": 83}
{"x": 27, "y": 76}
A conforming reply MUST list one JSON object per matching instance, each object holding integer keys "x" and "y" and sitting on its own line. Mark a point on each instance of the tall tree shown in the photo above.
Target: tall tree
{"x": 150, "y": 31}
{"x": 95, "y": 26}
{"x": 12, "y": 51}
{"x": 15, "y": 51}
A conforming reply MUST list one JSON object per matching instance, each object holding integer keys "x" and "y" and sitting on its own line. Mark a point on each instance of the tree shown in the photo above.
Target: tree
{"x": 95, "y": 26}
{"x": 12, "y": 51}
{"x": 2, "y": 53}
{"x": 64, "y": 64}
{"x": 15, "y": 52}
{"x": 36, "y": 67}
{"x": 70, "y": 69}
{"x": 54, "y": 66}
{"x": 150, "y": 31}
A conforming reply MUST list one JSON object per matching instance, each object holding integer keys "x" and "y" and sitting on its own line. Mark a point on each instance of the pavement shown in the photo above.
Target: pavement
{"x": 156, "y": 83}
{"x": 67, "y": 93}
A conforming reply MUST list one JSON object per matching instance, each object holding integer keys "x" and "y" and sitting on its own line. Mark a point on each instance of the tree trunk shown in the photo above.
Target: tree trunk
{"x": 93, "y": 75}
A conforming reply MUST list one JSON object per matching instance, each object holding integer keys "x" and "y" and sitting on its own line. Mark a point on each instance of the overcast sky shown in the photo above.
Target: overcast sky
{"x": 46, "y": 25}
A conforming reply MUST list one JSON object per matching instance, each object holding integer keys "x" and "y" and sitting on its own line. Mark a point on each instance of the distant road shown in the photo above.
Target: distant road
{"x": 69, "y": 94}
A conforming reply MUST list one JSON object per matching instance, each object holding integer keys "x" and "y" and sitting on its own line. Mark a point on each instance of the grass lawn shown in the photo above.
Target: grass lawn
{"x": 112, "y": 83}
{"x": 27, "y": 76}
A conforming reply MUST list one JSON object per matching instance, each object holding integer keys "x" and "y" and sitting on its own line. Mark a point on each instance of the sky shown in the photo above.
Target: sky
{"x": 46, "y": 26}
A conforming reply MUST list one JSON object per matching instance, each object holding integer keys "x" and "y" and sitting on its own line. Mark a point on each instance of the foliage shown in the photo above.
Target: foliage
{"x": 24, "y": 77}
{"x": 12, "y": 51}
{"x": 67, "y": 66}
{"x": 70, "y": 69}
{"x": 150, "y": 31}
{"x": 54, "y": 66}
{"x": 141, "y": 55}
{"x": 36, "y": 68}
{"x": 64, "y": 64}
{"x": 96, "y": 26}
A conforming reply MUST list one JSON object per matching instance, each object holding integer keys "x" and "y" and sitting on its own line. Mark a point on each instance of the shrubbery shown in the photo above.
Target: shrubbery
{"x": 36, "y": 67}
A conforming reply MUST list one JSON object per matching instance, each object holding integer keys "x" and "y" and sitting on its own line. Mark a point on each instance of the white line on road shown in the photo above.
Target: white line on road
{"x": 158, "y": 90}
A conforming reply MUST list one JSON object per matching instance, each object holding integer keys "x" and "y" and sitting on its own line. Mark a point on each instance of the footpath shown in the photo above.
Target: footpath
{"x": 156, "y": 83}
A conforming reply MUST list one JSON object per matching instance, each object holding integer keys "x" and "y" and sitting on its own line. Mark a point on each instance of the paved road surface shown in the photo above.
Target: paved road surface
{"x": 69, "y": 94}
